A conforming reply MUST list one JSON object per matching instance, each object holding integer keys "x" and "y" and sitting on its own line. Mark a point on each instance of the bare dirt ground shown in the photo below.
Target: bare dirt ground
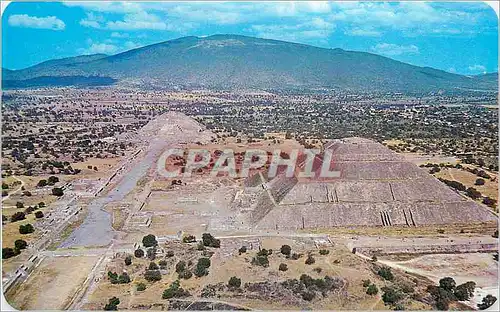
{"x": 52, "y": 284}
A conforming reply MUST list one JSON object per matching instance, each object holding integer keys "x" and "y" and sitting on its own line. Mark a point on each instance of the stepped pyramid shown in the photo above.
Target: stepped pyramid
{"x": 376, "y": 187}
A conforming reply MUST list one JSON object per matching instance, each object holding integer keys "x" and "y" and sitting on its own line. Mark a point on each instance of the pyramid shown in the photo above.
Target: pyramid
{"x": 376, "y": 187}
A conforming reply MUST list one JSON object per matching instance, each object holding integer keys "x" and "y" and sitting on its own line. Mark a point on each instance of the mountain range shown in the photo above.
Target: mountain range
{"x": 233, "y": 61}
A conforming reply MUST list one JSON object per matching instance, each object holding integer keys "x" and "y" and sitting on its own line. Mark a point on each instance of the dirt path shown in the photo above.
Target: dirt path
{"x": 16, "y": 190}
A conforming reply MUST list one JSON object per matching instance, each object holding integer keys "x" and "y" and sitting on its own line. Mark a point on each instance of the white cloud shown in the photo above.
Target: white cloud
{"x": 361, "y": 18}
{"x": 106, "y": 6}
{"x": 129, "y": 45}
{"x": 363, "y": 32}
{"x": 92, "y": 20}
{"x": 317, "y": 29}
{"x": 48, "y": 22}
{"x": 477, "y": 69}
{"x": 394, "y": 49}
{"x": 105, "y": 48}
{"x": 115, "y": 34}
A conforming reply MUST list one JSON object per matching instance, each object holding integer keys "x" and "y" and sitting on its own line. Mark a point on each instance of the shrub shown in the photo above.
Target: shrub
{"x": 42, "y": 183}
{"x": 490, "y": 202}
{"x": 324, "y": 252}
{"x": 149, "y": 241}
{"x": 139, "y": 253}
{"x": 464, "y": 291}
{"x": 202, "y": 267}
{"x": 186, "y": 274}
{"x": 112, "y": 304}
{"x": 286, "y": 250}
{"x": 175, "y": 291}
{"x": 128, "y": 260}
{"x": 366, "y": 283}
{"x": 52, "y": 180}
{"x": 260, "y": 260}
{"x": 386, "y": 273}
{"x": 9, "y": 253}
{"x": 153, "y": 266}
{"x": 200, "y": 246}
{"x": 189, "y": 239}
{"x": 479, "y": 181}
{"x": 372, "y": 290}
{"x": 26, "y": 229}
{"x": 170, "y": 253}
{"x": 308, "y": 295}
{"x": 283, "y": 267}
{"x": 39, "y": 214}
{"x": 163, "y": 263}
{"x": 310, "y": 260}
{"x": 487, "y": 302}
{"x": 124, "y": 278}
{"x": 17, "y": 216}
{"x": 141, "y": 287}
{"x": 41, "y": 204}
{"x": 447, "y": 283}
{"x": 152, "y": 275}
{"x": 210, "y": 241}
{"x": 151, "y": 253}
{"x": 391, "y": 295}
{"x": 242, "y": 249}
{"x": 180, "y": 266}
{"x": 473, "y": 193}
{"x": 19, "y": 205}
{"x": 57, "y": 191}
{"x": 20, "y": 244}
{"x": 295, "y": 256}
{"x": 234, "y": 282}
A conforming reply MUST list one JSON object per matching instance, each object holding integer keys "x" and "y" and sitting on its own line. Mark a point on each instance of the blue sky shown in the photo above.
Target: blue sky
{"x": 456, "y": 37}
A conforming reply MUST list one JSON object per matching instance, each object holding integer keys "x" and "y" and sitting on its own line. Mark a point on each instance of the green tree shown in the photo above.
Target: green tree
{"x": 26, "y": 229}
{"x": 141, "y": 287}
{"x": 391, "y": 295}
{"x": 372, "y": 290}
{"x": 57, "y": 191}
{"x": 386, "y": 273}
{"x": 128, "y": 260}
{"x": 210, "y": 241}
{"x": 234, "y": 282}
{"x": 487, "y": 302}
{"x": 447, "y": 283}
{"x": 20, "y": 244}
{"x": 139, "y": 253}
{"x": 17, "y": 216}
{"x": 149, "y": 241}
{"x": 310, "y": 260}
{"x": 286, "y": 250}
{"x": 112, "y": 304}
{"x": 180, "y": 266}
{"x": 9, "y": 253}
{"x": 152, "y": 275}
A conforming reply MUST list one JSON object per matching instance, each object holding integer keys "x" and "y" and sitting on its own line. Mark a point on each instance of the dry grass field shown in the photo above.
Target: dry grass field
{"x": 52, "y": 284}
{"x": 490, "y": 188}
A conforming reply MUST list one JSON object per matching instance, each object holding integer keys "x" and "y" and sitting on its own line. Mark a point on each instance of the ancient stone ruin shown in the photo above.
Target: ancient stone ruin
{"x": 377, "y": 187}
